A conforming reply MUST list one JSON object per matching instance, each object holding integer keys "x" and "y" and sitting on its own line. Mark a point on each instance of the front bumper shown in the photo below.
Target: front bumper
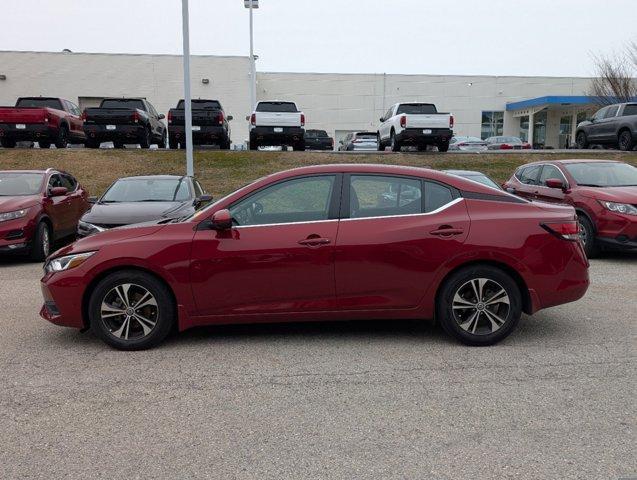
{"x": 207, "y": 135}
{"x": 16, "y": 235}
{"x": 34, "y": 132}
{"x": 63, "y": 293}
{"x": 267, "y": 135}
{"x": 416, "y": 136}
{"x": 616, "y": 231}
{"x": 121, "y": 133}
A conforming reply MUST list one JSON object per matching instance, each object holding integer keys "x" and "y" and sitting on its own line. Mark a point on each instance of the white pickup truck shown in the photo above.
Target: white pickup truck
{"x": 415, "y": 124}
{"x": 277, "y": 124}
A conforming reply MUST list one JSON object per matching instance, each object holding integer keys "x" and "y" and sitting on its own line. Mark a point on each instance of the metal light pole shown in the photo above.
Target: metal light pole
{"x": 190, "y": 170}
{"x": 252, "y": 4}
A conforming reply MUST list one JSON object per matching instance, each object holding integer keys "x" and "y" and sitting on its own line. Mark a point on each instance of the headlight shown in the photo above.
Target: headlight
{"x": 89, "y": 227}
{"x": 625, "y": 208}
{"x": 67, "y": 262}
{"x": 13, "y": 215}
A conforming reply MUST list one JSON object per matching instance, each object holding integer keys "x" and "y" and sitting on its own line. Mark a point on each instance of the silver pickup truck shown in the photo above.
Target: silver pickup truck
{"x": 614, "y": 125}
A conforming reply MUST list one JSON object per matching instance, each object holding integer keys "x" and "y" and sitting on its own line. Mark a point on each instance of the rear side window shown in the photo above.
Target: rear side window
{"x": 528, "y": 175}
{"x": 380, "y": 196}
{"x": 436, "y": 196}
{"x": 69, "y": 182}
{"x": 276, "y": 107}
{"x": 416, "y": 108}
{"x": 630, "y": 110}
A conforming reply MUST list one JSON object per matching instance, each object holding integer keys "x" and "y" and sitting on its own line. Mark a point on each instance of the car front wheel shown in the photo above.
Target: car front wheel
{"x": 131, "y": 310}
{"x": 587, "y": 235}
{"x": 479, "y": 305}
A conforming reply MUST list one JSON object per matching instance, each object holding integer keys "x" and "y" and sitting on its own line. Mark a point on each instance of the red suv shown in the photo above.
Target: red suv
{"x": 326, "y": 242}
{"x": 603, "y": 192}
{"x": 37, "y": 208}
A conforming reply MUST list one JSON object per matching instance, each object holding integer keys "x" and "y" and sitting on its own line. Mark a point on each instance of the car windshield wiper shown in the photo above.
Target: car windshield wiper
{"x": 109, "y": 201}
{"x": 153, "y": 200}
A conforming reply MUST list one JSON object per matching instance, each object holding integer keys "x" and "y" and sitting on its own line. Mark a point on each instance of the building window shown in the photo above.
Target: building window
{"x": 524, "y": 128}
{"x": 492, "y": 124}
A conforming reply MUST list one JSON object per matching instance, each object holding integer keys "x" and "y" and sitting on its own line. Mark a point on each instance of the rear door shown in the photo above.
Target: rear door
{"x": 395, "y": 232}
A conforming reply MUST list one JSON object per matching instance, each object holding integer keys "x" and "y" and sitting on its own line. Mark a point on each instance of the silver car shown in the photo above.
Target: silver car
{"x": 357, "y": 141}
{"x": 468, "y": 144}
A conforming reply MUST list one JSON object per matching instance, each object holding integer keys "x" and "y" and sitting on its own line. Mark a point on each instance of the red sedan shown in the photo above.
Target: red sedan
{"x": 36, "y": 208}
{"x": 603, "y": 193}
{"x": 333, "y": 242}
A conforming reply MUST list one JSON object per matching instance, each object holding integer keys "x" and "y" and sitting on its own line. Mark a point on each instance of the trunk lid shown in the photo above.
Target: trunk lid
{"x": 22, "y": 115}
{"x": 432, "y": 120}
{"x": 278, "y": 119}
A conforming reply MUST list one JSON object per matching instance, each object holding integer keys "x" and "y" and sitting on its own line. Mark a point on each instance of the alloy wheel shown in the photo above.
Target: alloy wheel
{"x": 583, "y": 234}
{"x": 129, "y": 311}
{"x": 46, "y": 242}
{"x": 625, "y": 141}
{"x": 481, "y": 306}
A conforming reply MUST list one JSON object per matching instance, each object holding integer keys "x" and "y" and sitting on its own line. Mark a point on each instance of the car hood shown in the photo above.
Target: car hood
{"x": 11, "y": 204}
{"x": 126, "y": 213}
{"x": 611, "y": 194}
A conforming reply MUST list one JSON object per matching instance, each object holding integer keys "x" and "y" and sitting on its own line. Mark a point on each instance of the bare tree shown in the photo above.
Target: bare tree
{"x": 615, "y": 77}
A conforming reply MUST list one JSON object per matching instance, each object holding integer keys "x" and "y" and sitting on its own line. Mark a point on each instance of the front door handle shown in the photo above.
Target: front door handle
{"x": 447, "y": 231}
{"x": 314, "y": 241}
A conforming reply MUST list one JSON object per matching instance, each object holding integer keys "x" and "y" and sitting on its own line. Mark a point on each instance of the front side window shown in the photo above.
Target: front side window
{"x": 528, "y": 175}
{"x": 600, "y": 114}
{"x": 612, "y": 111}
{"x": 305, "y": 199}
{"x": 379, "y": 196}
{"x": 549, "y": 171}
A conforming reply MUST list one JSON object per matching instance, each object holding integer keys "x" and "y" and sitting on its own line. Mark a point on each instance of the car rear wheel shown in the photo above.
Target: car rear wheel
{"x": 479, "y": 305}
{"x": 172, "y": 143}
{"x": 118, "y": 145}
{"x": 443, "y": 147}
{"x": 145, "y": 139}
{"x": 254, "y": 145}
{"x": 162, "y": 141}
{"x": 380, "y": 144}
{"x": 91, "y": 144}
{"x": 62, "y": 140}
{"x": 41, "y": 246}
{"x": 44, "y": 144}
{"x": 131, "y": 310}
{"x": 626, "y": 142}
{"x": 395, "y": 144}
{"x": 6, "y": 143}
{"x": 587, "y": 235}
{"x": 581, "y": 141}
{"x": 298, "y": 147}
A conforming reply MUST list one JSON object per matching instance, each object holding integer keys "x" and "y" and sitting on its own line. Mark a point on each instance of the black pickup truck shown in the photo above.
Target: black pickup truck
{"x": 209, "y": 124}
{"x": 614, "y": 125}
{"x": 124, "y": 120}
{"x": 318, "y": 140}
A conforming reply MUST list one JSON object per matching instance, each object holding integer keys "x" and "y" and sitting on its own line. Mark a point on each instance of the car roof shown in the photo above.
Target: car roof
{"x": 573, "y": 160}
{"x": 464, "y": 172}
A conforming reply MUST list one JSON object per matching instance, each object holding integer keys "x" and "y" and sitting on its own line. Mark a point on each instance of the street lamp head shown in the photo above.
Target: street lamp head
{"x": 255, "y": 3}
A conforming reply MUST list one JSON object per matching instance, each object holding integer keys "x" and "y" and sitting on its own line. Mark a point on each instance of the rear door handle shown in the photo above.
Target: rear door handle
{"x": 314, "y": 241}
{"x": 447, "y": 231}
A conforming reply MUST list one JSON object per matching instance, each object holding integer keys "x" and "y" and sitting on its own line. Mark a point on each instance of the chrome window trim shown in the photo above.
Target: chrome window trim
{"x": 285, "y": 223}
{"x": 559, "y": 170}
{"x": 433, "y": 212}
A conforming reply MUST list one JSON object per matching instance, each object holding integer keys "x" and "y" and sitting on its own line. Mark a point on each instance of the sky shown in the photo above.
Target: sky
{"x": 477, "y": 37}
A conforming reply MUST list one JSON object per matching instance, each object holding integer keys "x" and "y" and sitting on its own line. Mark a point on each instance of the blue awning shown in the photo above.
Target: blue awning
{"x": 551, "y": 100}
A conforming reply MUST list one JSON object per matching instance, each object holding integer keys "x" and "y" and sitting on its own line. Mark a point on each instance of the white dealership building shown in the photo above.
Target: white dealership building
{"x": 545, "y": 109}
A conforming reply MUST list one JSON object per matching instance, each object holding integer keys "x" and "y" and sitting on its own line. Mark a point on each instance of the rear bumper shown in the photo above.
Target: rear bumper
{"x": 267, "y": 135}
{"x": 31, "y": 132}
{"x": 313, "y": 145}
{"x": 121, "y": 133}
{"x": 416, "y": 136}
{"x": 207, "y": 135}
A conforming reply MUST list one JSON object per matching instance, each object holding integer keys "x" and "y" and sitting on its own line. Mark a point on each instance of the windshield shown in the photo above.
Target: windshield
{"x": 416, "y": 108}
{"x": 603, "y": 174}
{"x": 484, "y": 180}
{"x": 366, "y": 136}
{"x": 17, "y": 184}
{"x": 147, "y": 190}
{"x": 201, "y": 105}
{"x": 504, "y": 140}
{"x": 122, "y": 103}
{"x": 39, "y": 103}
{"x": 276, "y": 107}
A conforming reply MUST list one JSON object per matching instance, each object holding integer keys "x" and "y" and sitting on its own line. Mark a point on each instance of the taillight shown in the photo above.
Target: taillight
{"x": 403, "y": 121}
{"x": 46, "y": 118}
{"x": 505, "y": 146}
{"x": 221, "y": 118}
{"x": 451, "y": 121}
{"x": 170, "y": 117}
{"x": 526, "y": 146}
{"x": 564, "y": 230}
{"x": 83, "y": 117}
{"x": 135, "y": 116}
{"x": 302, "y": 119}
{"x": 253, "y": 119}
{"x": 462, "y": 144}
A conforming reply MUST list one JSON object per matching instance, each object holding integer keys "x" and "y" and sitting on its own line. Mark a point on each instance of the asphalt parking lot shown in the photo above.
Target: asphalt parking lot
{"x": 375, "y": 400}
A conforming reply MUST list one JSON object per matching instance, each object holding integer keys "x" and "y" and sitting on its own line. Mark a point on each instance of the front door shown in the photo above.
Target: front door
{"x": 59, "y": 209}
{"x": 546, "y": 194}
{"x": 394, "y": 240}
{"x": 279, "y": 256}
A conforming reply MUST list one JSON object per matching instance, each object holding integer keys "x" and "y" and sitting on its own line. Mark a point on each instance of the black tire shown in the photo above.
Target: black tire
{"x": 422, "y": 148}
{"x": 587, "y": 233}
{"x": 62, "y": 139}
{"x": 44, "y": 145}
{"x": 225, "y": 145}
{"x": 173, "y": 144}
{"x": 380, "y": 144}
{"x": 118, "y": 145}
{"x": 483, "y": 324}
{"x": 625, "y": 141}
{"x": 162, "y": 141}
{"x": 41, "y": 245}
{"x": 6, "y": 143}
{"x": 299, "y": 147}
{"x": 581, "y": 141}
{"x": 443, "y": 147}
{"x": 145, "y": 139}
{"x": 394, "y": 144}
{"x": 254, "y": 145}
{"x": 164, "y": 315}
{"x": 91, "y": 144}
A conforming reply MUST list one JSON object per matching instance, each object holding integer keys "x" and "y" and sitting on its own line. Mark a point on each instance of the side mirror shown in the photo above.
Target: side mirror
{"x": 229, "y": 117}
{"x": 92, "y": 200}
{"x": 510, "y": 190}
{"x": 205, "y": 198}
{"x": 58, "y": 192}
{"x": 555, "y": 183}
{"x": 161, "y": 116}
{"x": 222, "y": 220}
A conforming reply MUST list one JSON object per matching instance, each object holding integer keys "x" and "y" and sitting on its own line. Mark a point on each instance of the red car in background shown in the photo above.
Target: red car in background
{"x": 37, "y": 208}
{"x": 332, "y": 242}
{"x": 603, "y": 192}
{"x": 45, "y": 120}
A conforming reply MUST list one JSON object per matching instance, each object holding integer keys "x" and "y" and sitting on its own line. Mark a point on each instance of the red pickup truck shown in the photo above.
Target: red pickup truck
{"x": 44, "y": 120}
